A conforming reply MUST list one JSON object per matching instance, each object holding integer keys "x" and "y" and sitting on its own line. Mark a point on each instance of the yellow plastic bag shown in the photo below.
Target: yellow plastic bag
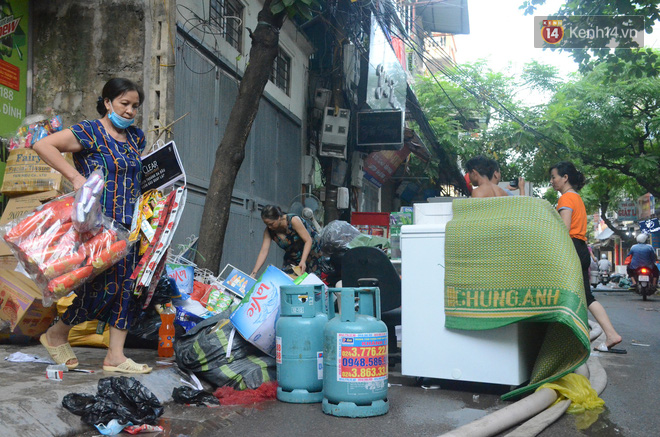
{"x": 83, "y": 334}
{"x": 578, "y": 389}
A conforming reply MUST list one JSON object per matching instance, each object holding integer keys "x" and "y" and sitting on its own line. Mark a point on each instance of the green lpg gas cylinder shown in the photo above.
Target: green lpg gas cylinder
{"x": 299, "y": 343}
{"x": 355, "y": 356}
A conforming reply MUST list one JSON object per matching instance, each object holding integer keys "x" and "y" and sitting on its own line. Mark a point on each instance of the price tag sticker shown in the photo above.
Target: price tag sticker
{"x": 278, "y": 350}
{"x": 362, "y": 357}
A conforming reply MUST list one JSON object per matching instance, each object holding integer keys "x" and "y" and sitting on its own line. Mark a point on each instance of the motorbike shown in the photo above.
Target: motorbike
{"x": 604, "y": 277}
{"x": 644, "y": 285}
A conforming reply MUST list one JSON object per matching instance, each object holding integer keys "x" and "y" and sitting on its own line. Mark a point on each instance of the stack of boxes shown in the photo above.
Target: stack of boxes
{"x": 28, "y": 182}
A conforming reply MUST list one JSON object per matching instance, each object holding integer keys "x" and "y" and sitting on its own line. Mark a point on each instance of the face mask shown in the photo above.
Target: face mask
{"x": 118, "y": 121}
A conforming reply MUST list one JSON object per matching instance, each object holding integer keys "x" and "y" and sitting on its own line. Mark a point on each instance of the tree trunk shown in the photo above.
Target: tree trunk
{"x": 231, "y": 151}
{"x": 617, "y": 231}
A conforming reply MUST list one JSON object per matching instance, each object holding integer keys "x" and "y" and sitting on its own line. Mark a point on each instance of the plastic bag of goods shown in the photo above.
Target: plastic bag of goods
{"x": 55, "y": 255}
{"x": 218, "y": 301}
{"x": 336, "y": 236}
{"x": 33, "y": 128}
{"x": 87, "y": 214}
{"x": 184, "y": 276}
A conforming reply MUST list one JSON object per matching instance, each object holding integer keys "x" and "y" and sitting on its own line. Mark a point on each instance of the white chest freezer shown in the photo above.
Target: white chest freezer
{"x": 428, "y": 349}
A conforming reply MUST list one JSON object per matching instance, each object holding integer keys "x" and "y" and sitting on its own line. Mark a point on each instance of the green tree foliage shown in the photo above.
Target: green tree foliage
{"x": 471, "y": 114}
{"x": 293, "y": 8}
{"x": 638, "y": 62}
{"x": 609, "y": 129}
{"x": 613, "y": 126}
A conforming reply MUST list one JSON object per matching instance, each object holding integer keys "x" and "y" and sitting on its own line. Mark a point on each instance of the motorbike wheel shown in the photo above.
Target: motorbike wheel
{"x": 644, "y": 296}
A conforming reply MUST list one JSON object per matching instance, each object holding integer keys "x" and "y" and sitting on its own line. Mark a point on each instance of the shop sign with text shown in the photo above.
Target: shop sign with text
{"x": 13, "y": 64}
{"x": 627, "y": 210}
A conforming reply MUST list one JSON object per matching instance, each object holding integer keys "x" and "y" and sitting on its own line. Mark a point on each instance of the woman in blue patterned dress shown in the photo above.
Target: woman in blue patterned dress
{"x": 113, "y": 145}
{"x": 293, "y": 234}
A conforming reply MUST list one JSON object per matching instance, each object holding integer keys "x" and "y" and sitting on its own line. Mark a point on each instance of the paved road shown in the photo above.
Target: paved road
{"x": 633, "y": 380}
{"x": 630, "y": 396}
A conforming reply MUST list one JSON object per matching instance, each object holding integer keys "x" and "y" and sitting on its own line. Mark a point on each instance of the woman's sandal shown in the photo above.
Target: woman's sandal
{"x": 128, "y": 366}
{"x": 60, "y": 354}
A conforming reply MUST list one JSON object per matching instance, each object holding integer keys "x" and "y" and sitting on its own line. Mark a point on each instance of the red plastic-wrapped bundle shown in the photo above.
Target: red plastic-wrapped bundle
{"x": 56, "y": 256}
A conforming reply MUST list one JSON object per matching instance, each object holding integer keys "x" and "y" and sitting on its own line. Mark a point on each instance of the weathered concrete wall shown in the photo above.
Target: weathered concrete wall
{"x": 77, "y": 45}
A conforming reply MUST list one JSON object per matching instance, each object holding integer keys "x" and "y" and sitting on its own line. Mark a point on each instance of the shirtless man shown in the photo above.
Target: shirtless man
{"x": 481, "y": 172}
{"x": 497, "y": 177}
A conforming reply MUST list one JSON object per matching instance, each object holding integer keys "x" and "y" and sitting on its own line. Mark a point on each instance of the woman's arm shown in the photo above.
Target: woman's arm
{"x": 566, "y": 215}
{"x": 263, "y": 253}
{"x": 50, "y": 149}
{"x": 298, "y": 226}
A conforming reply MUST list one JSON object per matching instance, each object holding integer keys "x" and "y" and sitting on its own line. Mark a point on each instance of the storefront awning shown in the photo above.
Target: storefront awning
{"x": 607, "y": 233}
{"x": 416, "y": 145}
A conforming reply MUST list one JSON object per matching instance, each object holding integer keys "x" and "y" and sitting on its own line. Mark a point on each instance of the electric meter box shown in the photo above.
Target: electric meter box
{"x": 334, "y": 136}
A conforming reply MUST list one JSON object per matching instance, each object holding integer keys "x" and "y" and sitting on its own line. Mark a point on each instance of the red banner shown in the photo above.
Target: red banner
{"x": 380, "y": 166}
{"x": 399, "y": 51}
{"x": 9, "y": 75}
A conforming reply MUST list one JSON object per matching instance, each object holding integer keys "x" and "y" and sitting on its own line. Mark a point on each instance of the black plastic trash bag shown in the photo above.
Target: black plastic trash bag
{"x": 121, "y": 398}
{"x": 143, "y": 333}
{"x": 190, "y": 396}
{"x": 166, "y": 290}
{"x": 203, "y": 350}
{"x": 78, "y": 403}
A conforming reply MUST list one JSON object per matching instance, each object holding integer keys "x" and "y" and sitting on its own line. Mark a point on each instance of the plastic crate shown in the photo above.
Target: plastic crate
{"x": 371, "y": 218}
{"x": 372, "y": 223}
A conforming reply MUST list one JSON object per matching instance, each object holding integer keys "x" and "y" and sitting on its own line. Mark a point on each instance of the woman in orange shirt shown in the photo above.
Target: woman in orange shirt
{"x": 567, "y": 180}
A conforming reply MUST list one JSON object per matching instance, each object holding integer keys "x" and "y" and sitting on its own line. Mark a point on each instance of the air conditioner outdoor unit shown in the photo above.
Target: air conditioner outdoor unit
{"x": 322, "y": 98}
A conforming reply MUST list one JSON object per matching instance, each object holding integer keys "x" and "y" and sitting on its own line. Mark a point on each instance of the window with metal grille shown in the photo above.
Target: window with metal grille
{"x": 228, "y": 15}
{"x": 281, "y": 73}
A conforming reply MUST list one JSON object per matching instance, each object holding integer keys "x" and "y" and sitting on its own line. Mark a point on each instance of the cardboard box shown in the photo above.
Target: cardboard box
{"x": 26, "y": 173}
{"x": 18, "y": 207}
{"x": 258, "y": 312}
{"x": 21, "y": 306}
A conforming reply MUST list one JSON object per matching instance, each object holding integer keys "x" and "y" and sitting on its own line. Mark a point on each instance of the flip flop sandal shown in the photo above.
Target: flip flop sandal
{"x": 60, "y": 354}
{"x": 611, "y": 350}
{"x": 128, "y": 366}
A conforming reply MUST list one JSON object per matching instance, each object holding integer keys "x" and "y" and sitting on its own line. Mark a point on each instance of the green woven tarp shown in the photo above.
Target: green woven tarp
{"x": 508, "y": 260}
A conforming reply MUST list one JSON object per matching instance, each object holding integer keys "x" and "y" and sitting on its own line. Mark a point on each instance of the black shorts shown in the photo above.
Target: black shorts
{"x": 585, "y": 262}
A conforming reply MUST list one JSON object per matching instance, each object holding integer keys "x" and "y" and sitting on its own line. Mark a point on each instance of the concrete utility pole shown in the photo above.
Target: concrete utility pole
{"x": 159, "y": 72}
